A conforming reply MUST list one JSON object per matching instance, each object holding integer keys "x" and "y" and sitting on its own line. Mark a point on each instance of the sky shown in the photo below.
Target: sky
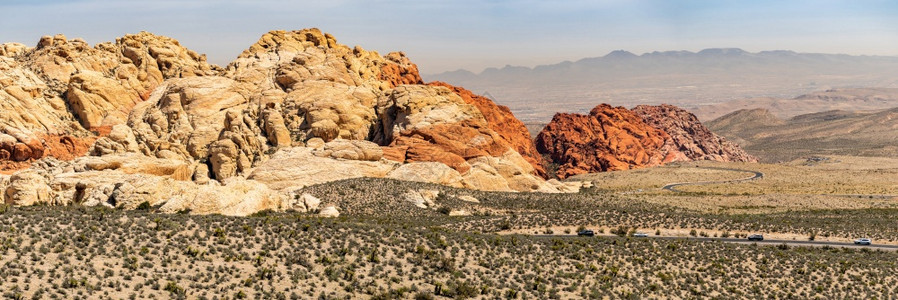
{"x": 466, "y": 34}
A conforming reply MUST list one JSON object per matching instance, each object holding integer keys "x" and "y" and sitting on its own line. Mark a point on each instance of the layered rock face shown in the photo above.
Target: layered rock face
{"x": 615, "y": 138}
{"x": 295, "y": 109}
{"x": 608, "y": 139}
{"x": 693, "y": 140}
{"x": 502, "y": 121}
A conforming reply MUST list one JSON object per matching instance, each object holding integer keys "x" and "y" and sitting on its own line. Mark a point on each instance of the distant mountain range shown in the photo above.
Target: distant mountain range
{"x": 683, "y": 78}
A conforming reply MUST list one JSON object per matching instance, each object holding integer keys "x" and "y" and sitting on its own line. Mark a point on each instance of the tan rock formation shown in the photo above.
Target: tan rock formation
{"x": 431, "y": 172}
{"x": 294, "y": 168}
{"x": 28, "y": 187}
{"x": 351, "y": 150}
{"x": 180, "y": 134}
{"x": 98, "y": 100}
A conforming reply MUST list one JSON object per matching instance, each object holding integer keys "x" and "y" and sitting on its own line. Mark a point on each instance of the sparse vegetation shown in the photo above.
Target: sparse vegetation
{"x": 382, "y": 247}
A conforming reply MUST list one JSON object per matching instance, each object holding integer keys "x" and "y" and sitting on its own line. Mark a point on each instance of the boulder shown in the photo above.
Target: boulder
{"x": 119, "y": 140}
{"x": 98, "y": 100}
{"x": 351, "y": 150}
{"x": 422, "y": 198}
{"x": 329, "y": 211}
{"x": 28, "y": 187}
{"x": 430, "y": 172}
{"x": 309, "y": 202}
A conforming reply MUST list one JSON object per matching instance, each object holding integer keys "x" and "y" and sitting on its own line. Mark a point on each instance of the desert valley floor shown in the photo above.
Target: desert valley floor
{"x": 470, "y": 244}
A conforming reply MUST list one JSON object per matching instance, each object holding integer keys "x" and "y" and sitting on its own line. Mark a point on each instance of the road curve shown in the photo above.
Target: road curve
{"x": 673, "y": 186}
{"x": 746, "y": 241}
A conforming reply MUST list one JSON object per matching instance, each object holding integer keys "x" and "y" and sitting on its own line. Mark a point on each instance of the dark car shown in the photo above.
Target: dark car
{"x": 755, "y": 237}
{"x": 586, "y": 232}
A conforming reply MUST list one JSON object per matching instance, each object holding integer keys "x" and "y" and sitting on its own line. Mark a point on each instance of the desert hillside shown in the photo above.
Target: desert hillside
{"x": 836, "y": 132}
{"x": 855, "y": 99}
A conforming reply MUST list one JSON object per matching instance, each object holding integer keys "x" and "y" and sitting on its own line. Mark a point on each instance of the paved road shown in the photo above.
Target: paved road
{"x": 746, "y": 241}
{"x": 673, "y": 186}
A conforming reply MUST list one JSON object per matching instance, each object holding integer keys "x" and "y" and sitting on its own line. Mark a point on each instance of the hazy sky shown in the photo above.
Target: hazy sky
{"x": 448, "y": 35}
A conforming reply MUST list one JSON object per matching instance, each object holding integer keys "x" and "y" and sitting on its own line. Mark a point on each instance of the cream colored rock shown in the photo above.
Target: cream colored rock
{"x": 98, "y": 100}
{"x": 331, "y": 89}
{"x": 120, "y": 140}
{"x": 100, "y": 195}
{"x": 135, "y": 163}
{"x": 459, "y": 213}
{"x": 310, "y": 202}
{"x": 277, "y": 132}
{"x": 27, "y": 102}
{"x": 12, "y": 49}
{"x": 315, "y": 143}
{"x": 28, "y": 187}
{"x": 201, "y": 174}
{"x": 294, "y": 168}
{"x": 223, "y": 155}
{"x": 416, "y": 106}
{"x": 422, "y": 198}
{"x": 467, "y": 198}
{"x": 4, "y": 182}
{"x": 202, "y": 118}
{"x": 350, "y": 150}
{"x": 235, "y": 197}
{"x": 329, "y": 211}
{"x": 430, "y": 172}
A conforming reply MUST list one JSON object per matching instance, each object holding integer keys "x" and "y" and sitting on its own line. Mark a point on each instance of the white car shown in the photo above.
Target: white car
{"x": 640, "y": 234}
{"x": 864, "y": 241}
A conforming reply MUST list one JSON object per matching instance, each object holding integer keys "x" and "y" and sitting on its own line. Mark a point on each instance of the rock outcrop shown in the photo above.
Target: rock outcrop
{"x": 693, "y": 140}
{"x": 608, "y": 139}
{"x": 53, "y": 95}
{"x": 162, "y": 126}
{"x": 500, "y": 119}
{"x": 615, "y": 138}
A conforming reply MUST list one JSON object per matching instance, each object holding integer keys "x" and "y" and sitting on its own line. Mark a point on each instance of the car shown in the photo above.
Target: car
{"x": 863, "y": 241}
{"x": 585, "y": 232}
{"x": 640, "y": 234}
{"x": 755, "y": 237}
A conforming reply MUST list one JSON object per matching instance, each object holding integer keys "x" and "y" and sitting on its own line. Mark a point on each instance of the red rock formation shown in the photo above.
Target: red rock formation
{"x": 17, "y": 155}
{"x": 402, "y": 72}
{"x": 447, "y": 143}
{"x": 501, "y": 120}
{"x": 608, "y": 139}
{"x": 692, "y": 138}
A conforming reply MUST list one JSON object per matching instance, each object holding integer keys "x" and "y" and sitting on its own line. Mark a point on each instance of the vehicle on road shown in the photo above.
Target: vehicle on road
{"x": 755, "y": 237}
{"x": 863, "y": 241}
{"x": 640, "y": 234}
{"x": 585, "y": 232}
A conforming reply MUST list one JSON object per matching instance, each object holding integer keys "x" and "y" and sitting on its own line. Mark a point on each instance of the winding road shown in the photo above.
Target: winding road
{"x": 673, "y": 186}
